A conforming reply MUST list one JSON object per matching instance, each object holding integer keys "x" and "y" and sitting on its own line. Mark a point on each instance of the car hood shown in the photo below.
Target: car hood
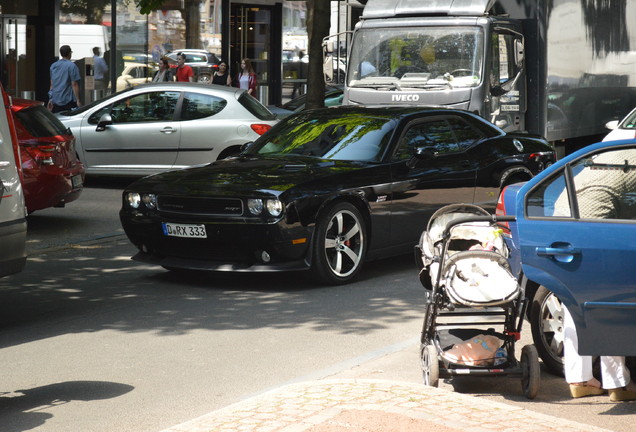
{"x": 243, "y": 176}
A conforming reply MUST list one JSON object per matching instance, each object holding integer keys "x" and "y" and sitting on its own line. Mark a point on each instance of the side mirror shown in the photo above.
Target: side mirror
{"x": 611, "y": 125}
{"x": 421, "y": 154}
{"x": 519, "y": 52}
{"x": 247, "y": 145}
{"x": 497, "y": 91}
{"x": 104, "y": 121}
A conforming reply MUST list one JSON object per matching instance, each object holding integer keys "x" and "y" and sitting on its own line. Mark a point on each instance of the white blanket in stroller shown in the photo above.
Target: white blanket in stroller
{"x": 480, "y": 281}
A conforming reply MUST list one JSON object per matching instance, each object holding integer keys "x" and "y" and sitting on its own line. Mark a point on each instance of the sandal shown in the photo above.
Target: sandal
{"x": 578, "y": 391}
{"x": 621, "y": 394}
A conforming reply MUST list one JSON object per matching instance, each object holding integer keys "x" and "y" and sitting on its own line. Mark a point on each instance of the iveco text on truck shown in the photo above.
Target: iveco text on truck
{"x": 557, "y": 68}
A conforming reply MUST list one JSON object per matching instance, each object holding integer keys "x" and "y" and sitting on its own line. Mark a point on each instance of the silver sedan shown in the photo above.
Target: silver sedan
{"x": 156, "y": 127}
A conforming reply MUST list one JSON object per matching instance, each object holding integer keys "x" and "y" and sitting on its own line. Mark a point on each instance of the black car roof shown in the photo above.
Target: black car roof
{"x": 387, "y": 110}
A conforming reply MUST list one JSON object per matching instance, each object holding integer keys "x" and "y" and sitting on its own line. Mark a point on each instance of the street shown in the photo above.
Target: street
{"x": 93, "y": 341}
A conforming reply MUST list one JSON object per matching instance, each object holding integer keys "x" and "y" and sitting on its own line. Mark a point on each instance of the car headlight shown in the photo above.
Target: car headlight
{"x": 150, "y": 200}
{"x": 134, "y": 199}
{"x": 255, "y": 205}
{"x": 274, "y": 207}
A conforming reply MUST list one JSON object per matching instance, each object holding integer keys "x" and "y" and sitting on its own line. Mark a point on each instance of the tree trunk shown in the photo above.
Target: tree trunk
{"x": 318, "y": 24}
{"x": 192, "y": 16}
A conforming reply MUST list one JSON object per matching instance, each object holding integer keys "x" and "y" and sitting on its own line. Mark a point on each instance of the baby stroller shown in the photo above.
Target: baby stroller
{"x": 474, "y": 305}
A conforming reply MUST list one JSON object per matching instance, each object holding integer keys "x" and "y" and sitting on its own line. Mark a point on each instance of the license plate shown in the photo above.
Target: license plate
{"x": 76, "y": 181}
{"x": 184, "y": 230}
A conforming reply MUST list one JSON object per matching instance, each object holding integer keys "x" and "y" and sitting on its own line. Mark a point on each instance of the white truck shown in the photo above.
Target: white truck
{"x": 82, "y": 38}
{"x": 557, "y": 68}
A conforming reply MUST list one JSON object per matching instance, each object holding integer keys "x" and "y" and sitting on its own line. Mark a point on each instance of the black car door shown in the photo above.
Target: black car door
{"x": 441, "y": 174}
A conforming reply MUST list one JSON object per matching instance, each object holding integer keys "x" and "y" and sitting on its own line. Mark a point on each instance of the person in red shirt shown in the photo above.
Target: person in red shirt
{"x": 184, "y": 72}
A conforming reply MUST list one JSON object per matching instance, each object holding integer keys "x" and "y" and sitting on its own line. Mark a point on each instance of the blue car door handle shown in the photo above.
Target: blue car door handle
{"x": 561, "y": 254}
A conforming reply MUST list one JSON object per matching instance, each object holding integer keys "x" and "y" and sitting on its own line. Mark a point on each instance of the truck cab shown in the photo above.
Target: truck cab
{"x": 455, "y": 56}
{"x": 13, "y": 225}
{"x": 514, "y": 63}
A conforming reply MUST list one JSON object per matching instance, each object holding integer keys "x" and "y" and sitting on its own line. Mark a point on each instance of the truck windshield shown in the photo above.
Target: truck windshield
{"x": 416, "y": 57}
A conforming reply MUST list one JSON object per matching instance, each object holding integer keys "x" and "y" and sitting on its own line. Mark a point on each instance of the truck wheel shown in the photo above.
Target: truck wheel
{"x": 546, "y": 322}
{"x": 339, "y": 244}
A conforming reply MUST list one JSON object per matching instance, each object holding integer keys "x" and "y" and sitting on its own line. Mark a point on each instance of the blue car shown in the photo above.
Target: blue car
{"x": 574, "y": 243}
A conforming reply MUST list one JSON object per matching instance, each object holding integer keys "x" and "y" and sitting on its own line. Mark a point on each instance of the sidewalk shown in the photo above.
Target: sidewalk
{"x": 370, "y": 405}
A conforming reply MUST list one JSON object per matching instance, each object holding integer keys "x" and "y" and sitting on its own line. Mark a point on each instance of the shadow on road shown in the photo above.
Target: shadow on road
{"x": 89, "y": 288}
{"x": 21, "y": 410}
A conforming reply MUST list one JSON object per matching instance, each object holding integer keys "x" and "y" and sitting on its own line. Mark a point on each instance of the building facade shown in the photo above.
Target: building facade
{"x": 272, "y": 34}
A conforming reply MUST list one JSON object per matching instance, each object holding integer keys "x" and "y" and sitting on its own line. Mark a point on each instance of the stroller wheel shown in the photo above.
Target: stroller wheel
{"x": 531, "y": 378}
{"x": 430, "y": 365}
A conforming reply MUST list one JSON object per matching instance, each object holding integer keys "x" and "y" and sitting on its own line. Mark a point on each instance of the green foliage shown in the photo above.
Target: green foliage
{"x": 147, "y": 6}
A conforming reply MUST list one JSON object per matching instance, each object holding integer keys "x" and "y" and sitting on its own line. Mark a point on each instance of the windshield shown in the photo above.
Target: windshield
{"x": 354, "y": 137}
{"x": 420, "y": 57}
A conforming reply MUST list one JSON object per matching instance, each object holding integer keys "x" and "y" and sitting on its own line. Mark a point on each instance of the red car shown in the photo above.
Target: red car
{"x": 52, "y": 175}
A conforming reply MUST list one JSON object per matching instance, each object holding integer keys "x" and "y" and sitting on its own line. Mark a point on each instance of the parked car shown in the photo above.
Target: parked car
{"x": 160, "y": 126}
{"x": 565, "y": 255}
{"x": 624, "y": 129}
{"x": 135, "y": 74}
{"x": 325, "y": 190}
{"x": 52, "y": 175}
{"x": 13, "y": 226}
{"x": 202, "y": 62}
{"x": 333, "y": 97}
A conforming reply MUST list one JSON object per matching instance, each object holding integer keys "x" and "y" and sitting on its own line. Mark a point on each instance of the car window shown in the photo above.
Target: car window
{"x": 39, "y": 122}
{"x": 351, "y": 138}
{"x": 540, "y": 202}
{"x": 198, "y": 105}
{"x": 196, "y": 58}
{"x": 604, "y": 188}
{"x": 144, "y": 107}
{"x": 435, "y": 134}
{"x": 257, "y": 109}
{"x": 465, "y": 134}
{"x": 139, "y": 72}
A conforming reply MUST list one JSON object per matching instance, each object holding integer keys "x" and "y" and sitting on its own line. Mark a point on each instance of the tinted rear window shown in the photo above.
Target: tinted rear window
{"x": 39, "y": 122}
{"x": 255, "y": 107}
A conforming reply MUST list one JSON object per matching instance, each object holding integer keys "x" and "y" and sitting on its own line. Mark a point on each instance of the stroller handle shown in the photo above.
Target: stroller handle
{"x": 461, "y": 220}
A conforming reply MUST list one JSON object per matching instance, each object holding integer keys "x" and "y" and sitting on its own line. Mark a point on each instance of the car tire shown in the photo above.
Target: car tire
{"x": 546, "y": 323}
{"x": 204, "y": 78}
{"x": 339, "y": 245}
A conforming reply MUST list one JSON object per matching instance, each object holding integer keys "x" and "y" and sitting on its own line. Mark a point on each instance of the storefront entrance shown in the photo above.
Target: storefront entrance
{"x": 255, "y": 33}
{"x": 14, "y": 71}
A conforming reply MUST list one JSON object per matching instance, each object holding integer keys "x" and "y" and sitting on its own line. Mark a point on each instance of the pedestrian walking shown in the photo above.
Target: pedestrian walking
{"x": 65, "y": 77}
{"x": 164, "y": 73}
{"x": 247, "y": 78}
{"x": 100, "y": 70}
{"x": 222, "y": 76}
{"x": 184, "y": 72}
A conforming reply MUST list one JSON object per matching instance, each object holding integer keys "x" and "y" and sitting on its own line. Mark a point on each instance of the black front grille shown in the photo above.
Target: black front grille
{"x": 200, "y": 206}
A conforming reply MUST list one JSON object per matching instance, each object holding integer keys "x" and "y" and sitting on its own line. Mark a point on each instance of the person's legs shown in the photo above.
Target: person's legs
{"x": 617, "y": 379}
{"x": 615, "y": 373}
{"x": 577, "y": 368}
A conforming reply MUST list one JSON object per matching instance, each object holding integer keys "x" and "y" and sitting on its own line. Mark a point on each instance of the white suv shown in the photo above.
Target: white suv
{"x": 12, "y": 209}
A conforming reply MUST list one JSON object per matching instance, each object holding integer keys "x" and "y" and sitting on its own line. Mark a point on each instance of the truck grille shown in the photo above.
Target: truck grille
{"x": 200, "y": 206}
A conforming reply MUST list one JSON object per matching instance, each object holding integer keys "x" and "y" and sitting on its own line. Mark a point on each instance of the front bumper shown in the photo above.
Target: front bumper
{"x": 230, "y": 245}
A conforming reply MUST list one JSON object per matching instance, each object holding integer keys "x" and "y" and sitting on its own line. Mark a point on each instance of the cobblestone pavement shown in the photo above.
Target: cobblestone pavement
{"x": 368, "y": 405}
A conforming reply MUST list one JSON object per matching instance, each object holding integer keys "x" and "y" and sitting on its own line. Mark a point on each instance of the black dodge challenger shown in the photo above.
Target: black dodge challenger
{"x": 326, "y": 190}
